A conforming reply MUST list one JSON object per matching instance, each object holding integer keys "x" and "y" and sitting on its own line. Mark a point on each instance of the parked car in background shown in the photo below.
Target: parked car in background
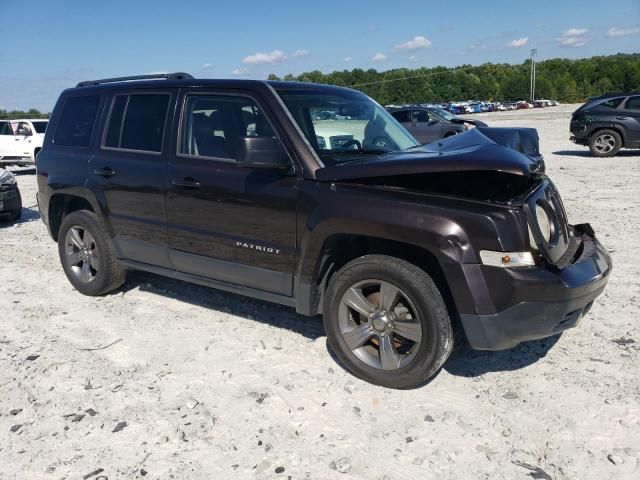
{"x": 32, "y": 133}
{"x": 21, "y": 140}
{"x": 428, "y": 124}
{"x": 608, "y": 123}
{"x": 10, "y": 199}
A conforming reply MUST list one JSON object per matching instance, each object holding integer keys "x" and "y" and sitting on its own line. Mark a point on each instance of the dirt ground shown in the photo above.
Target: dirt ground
{"x": 200, "y": 384}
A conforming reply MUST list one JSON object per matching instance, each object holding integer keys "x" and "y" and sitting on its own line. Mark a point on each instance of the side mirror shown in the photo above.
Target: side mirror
{"x": 23, "y": 131}
{"x": 262, "y": 152}
{"x": 433, "y": 121}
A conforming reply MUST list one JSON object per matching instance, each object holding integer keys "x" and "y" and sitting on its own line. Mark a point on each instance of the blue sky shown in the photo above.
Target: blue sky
{"x": 50, "y": 45}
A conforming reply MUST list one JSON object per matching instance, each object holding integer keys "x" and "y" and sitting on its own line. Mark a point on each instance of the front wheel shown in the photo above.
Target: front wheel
{"x": 87, "y": 256}
{"x": 386, "y": 321}
{"x": 605, "y": 143}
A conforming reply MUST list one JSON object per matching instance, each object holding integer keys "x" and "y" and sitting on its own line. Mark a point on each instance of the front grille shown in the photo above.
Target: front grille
{"x": 561, "y": 241}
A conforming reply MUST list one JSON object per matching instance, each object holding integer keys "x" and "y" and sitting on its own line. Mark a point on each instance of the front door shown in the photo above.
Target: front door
{"x": 128, "y": 170}
{"x": 425, "y": 127}
{"x": 226, "y": 222}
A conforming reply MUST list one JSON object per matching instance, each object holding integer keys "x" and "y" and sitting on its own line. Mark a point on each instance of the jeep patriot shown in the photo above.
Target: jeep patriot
{"x": 251, "y": 187}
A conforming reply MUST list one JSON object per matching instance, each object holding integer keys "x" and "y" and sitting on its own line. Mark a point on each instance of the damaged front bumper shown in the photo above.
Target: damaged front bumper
{"x": 540, "y": 302}
{"x": 10, "y": 200}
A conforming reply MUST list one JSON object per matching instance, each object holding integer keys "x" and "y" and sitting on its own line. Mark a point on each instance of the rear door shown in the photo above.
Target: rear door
{"x": 226, "y": 222}
{"x": 629, "y": 116}
{"x": 127, "y": 172}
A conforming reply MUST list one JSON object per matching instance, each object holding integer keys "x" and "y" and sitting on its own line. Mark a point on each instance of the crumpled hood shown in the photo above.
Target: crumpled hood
{"x": 508, "y": 150}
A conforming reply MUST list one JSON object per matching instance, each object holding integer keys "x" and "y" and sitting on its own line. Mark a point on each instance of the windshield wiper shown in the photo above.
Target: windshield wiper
{"x": 372, "y": 151}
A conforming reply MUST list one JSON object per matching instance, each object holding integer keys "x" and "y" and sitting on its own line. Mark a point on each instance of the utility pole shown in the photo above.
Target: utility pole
{"x": 532, "y": 89}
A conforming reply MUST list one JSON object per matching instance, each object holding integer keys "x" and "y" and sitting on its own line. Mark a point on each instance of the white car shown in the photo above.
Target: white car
{"x": 21, "y": 140}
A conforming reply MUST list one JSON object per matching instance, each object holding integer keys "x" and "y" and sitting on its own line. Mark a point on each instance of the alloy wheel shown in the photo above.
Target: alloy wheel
{"x": 380, "y": 324}
{"x": 604, "y": 143}
{"x": 81, "y": 254}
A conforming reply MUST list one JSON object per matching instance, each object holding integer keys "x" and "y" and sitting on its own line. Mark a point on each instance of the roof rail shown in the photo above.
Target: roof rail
{"x": 165, "y": 76}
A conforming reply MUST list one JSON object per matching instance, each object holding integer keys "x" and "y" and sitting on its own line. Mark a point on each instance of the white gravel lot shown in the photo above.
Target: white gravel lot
{"x": 215, "y": 386}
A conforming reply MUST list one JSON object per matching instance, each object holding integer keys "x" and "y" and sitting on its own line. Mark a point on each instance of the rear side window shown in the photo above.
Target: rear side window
{"x": 402, "y": 116}
{"x": 137, "y": 122}
{"x": 76, "y": 121}
{"x": 633, "y": 103}
{"x": 5, "y": 128}
{"x": 612, "y": 103}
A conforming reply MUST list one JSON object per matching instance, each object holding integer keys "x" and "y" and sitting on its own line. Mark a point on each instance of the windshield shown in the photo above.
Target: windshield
{"x": 444, "y": 114}
{"x": 40, "y": 126}
{"x": 340, "y": 124}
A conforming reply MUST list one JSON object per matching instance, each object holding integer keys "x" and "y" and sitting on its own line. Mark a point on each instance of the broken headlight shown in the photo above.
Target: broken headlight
{"x": 7, "y": 178}
{"x": 544, "y": 222}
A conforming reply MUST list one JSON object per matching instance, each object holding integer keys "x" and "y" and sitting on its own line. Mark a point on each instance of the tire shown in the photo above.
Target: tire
{"x": 357, "y": 339}
{"x": 17, "y": 215}
{"x": 87, "y": 256}
{"x": 605, "y": 143}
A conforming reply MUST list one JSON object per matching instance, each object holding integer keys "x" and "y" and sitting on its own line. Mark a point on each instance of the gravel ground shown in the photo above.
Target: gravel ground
{"x": 201, "y": 384}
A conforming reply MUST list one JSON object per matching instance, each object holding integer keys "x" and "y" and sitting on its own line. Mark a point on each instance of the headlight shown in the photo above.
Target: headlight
{"x": 7, "y": 178}
{"x": 545, "y": 226}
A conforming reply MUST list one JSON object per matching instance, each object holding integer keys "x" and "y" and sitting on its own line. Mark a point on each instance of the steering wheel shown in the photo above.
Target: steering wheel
{"x": 350, "y": 143}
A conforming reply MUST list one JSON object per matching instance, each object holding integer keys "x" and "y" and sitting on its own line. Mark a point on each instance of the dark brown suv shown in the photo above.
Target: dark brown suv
{"x": 313, "y": 196}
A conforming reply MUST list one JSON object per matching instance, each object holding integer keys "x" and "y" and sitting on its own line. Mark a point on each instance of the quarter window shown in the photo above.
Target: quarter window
{"x": 76, "y": 121}
{"x": 137, "y": 122}
{"x": 213, "y": 126}
{"x": 633, "y": 103}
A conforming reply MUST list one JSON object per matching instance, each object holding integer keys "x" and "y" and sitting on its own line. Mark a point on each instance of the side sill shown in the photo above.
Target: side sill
{"x": 207, "y": 282}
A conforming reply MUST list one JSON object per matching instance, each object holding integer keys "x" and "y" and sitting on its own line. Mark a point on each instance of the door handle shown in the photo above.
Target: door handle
{"x": 186, "y": 182}
{"x": 104, "y": 172}
{"x": 622, "y": 118}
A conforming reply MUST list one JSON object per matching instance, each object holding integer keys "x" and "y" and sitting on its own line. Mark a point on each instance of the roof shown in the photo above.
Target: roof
{"x": 177, "y": 80}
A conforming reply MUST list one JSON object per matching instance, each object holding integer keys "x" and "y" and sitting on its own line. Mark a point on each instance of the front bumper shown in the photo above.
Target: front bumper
{"x": 10, "y": 200}
{"x": 543, "y": 302}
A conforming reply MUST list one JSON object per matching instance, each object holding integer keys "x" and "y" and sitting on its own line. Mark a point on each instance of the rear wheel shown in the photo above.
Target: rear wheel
{"x": 605, "y": 143}
{"x": 87, "y": 256}
{"x": 386, "y": 321}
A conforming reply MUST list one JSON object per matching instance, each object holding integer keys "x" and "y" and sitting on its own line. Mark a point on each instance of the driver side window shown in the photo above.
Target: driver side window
{"x": 419, "y": 116}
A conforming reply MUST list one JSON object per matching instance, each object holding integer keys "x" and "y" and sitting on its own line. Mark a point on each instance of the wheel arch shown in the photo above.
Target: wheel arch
{"x": 616, "y": 128}
{"x": 338, "y": 249}
{"x": 63, "y": 203}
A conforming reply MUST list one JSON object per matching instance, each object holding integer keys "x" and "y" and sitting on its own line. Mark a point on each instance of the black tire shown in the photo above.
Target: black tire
{"x": 417, "y": 286}
{"x": 17, "y": 215}
{"x": 605, "y": 143}
{"x": 108, "y": 273}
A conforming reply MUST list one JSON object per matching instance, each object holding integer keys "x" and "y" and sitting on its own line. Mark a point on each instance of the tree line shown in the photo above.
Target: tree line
{"x": 560, "y": 79}
{"x": 32, "y": 113}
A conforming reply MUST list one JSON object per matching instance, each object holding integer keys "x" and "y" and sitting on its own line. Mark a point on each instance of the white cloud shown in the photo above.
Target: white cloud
{"x": 347, "y": 59}
{"x": 622, "y": 32}
{"x": 413, "y": 58}
{"x": 300, "y": 53}
{"x": 207, "y": 66}
{"x": 238, "y": 72}
{"x": 517, "y": 43}
{"x": 572, "y": 32}
{"x": 573, "y": 37}
{"x": 263, "y": 58}
{"x": 379, "y": 57}
{"x": 415, "y": 43}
